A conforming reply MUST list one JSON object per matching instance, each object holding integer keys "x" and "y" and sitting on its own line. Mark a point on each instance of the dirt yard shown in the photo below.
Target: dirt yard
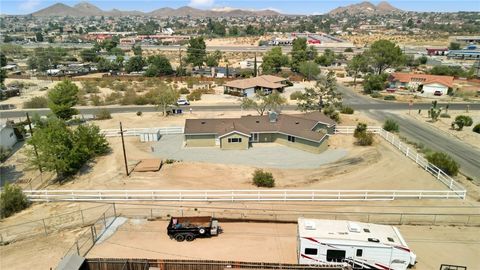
{"x": 277, "y": 243}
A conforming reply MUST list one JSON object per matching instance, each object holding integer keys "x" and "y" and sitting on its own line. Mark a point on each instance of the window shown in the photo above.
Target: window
{"x": 366, "y": 230}
{"x": 291, "y": 138}
{"x": 311, "y": 251}
{"x": 234, "y": 140}
{"x": 335, "y": 255}
{"x": 359, "y": 252}
{"x": 390, "y": 239}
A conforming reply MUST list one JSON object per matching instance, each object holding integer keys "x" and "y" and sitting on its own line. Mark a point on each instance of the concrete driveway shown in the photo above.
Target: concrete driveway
{"x": 269, "y": 155}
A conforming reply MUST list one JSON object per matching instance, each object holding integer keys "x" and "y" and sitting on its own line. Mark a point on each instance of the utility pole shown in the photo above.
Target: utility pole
{"x": 124, "y": 153}
{"x": 34, "y": 145}
{"x": 180, "y": 61}
{"x": 255, "y": 65}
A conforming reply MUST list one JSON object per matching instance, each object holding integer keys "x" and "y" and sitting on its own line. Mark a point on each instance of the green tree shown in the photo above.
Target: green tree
{"x": 309, "y": 69}
{"x": 88, "y": 55}
{"x": 462, "y": 121}
{"x": 359, "y": 63}
{"x": 12, "y": 200}
{"x": 373, "y": 83}
{"x": 263, "y": 102}
{"x": 299, "y": 53}
{"x": 274, "y": 60}
{"x": 62, "y": 98}
{"x": 135, "y": 63}
{"x": 109, "y": 44}
{"x": 137, "y": 49}
{"x": 196, "y": 51}
{"x": 454, "y": 46}
{"x": 3, "y": 59}
{"x": 38, "y": 36}
{"x": 158, "y": 65}
{"x": 326, "y": 59}
{"x": 163, "y": 96}
{"x": 213, "y": 59}
{"x": 323, "y": 94}
{"x": 384, "y": 54}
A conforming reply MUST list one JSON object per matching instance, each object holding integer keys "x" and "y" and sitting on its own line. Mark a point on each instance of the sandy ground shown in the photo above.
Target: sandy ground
{"x": 444, "y": 124}
{"x": 249, "y": 241}
{"x": 28, "y": 93}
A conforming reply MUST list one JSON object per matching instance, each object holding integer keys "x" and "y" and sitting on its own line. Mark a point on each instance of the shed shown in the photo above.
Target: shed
{"x": 150, "y": 135}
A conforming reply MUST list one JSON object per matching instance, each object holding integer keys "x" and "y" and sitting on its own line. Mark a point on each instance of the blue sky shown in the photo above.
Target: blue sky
{"x": 284, "y": 6}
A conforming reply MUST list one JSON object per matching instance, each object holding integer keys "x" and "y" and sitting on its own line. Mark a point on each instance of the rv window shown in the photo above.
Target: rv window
{"x": 373, "y": 240}
{"x": 390, "y": 239}
{"x": 359, "y": 252}
{"x": 366, "y": 230}
{"x": 335, "y": 255}
{"x": 311, "y": 251}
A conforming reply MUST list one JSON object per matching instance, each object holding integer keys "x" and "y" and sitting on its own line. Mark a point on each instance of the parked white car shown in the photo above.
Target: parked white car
{"x": 182, "y": 101}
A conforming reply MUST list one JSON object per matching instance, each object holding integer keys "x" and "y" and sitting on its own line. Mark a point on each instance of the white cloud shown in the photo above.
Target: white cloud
{"x": 29, "y": 5}
{"x": 201, "y": 3}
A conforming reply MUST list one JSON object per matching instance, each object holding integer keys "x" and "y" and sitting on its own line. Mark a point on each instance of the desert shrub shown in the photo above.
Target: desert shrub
{"x": 296, "y": 95}
{"x": 331, "y": 112}
{"x": 96, "y": 100}
{"x": 184, "y": 91}
{"x": 141, "y": 100}
{"x": 113, "y": 98}
{"x": 4, "y": 153}
{"x": 139, "y": 113}
{"x": 195, "y": 95}
{"x": 12, "y": 200}
{"x": 365, "y": 139}
{"x": 462, "y": 121}
{"x": 262, "y": 178}
{"x": 476, "y": 128}
{"x": 348, "y": 50}
{"x": 444, "y": 115}
{"x": 347, "y": 110}
{"x": 391, "y": 125}
{"x": 375, "y": 95}
{"x": 389, "y": 97}
{"x": 120, "y": 86}
{"x": 90, "y": 87}
{"x": 360, "y": 129}
{"x": 170, "y": 161}
{"x": 444, "y": 162}
{"x": 191, "y": 82}
{"x": 36, "y": 102}
{"x": 103, "y": 114}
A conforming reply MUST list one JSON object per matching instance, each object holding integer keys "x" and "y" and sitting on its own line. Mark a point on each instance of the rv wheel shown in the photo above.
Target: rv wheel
{"x": 189, "y": 237}
{"x": 202, "y": 231}
{"x": 179, "y": 237}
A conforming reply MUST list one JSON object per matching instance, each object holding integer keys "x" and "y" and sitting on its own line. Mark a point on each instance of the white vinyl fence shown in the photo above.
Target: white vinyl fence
{"x": 410, "y": 153}
{"x": 239, "y": 195}
{"x": 138, "y": 131}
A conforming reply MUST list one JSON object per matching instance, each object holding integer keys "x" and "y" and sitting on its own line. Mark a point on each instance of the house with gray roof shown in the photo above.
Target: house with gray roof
{"x": 308, "y": 131}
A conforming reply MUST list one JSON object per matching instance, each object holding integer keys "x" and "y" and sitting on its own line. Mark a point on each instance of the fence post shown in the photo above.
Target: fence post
{"x": 45, "y": 227}
{"x": 83, "y": 219}
{"x": 78, "y": 249}
{"x": 114, "y": 210}
{"x": 104, "y": 221}
{"x": 92, "y": 230}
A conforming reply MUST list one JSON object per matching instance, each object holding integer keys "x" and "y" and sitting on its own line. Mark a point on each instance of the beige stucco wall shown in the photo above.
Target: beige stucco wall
{"x": 199, "y": 140}
{"x": 303, "y": 144}
{"x": 224, "y": 144}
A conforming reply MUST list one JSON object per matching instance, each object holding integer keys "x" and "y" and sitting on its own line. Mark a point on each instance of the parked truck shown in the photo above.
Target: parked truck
{"x": 189, "y": 228}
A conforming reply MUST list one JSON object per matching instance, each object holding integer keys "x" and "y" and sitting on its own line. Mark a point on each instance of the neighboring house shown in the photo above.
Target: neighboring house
{"x": 250, "y": 63}
{"x": 248, "y": 87}
{"x": 428, "y": 84}
{"x": 7, "y": 136}
{"x": 215, "y": 72}
{"x": 469, "y": 54}
{"x": 308, "y": 132}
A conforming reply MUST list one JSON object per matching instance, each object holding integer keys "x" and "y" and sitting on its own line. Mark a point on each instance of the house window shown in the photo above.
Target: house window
{"x": 311, "y": 251}
{"x": 390, "y": 239}
{"x": 359, "y": 252}
{"x": 335, "y": 255}
{"x": 234, "y": 140}
{"x": 291, "y": 138}
{"x": 254, "y": 137}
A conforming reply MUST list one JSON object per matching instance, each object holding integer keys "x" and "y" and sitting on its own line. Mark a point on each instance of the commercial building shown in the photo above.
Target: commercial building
{"x": 308, "y": 132}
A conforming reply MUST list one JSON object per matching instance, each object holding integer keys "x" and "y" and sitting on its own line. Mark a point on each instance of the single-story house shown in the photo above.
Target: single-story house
{"x": 428, "y": 84}
{"x": 248, "y": 87}
{"x": 309, "y": 131}
{"x": 7, "y": 136}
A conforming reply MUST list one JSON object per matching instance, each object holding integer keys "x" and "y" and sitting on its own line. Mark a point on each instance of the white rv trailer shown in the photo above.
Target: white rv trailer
{"x": 362, "y": 245}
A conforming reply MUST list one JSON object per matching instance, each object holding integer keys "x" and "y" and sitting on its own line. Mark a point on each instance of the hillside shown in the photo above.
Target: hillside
{"x": 366, "y": 8}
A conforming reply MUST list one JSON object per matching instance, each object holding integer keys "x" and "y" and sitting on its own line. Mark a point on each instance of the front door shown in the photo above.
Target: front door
{"x": 254, "y": 137}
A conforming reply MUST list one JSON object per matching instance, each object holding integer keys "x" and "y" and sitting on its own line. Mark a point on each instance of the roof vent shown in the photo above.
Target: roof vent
{"x": 272, "y": 116}
{"x": 354, "y": 227}
{"x": 310, "y": 225}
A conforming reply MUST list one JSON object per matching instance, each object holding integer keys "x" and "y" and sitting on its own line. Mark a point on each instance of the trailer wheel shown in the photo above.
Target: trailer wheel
{"x": 179, "y": 237}
{"x": 201, "y": 231}
{"x": 189, "y": 237}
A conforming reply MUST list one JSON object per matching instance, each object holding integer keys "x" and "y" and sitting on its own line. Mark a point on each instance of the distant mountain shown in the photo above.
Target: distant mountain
{"x": 366, "y": 8}
{"x": 83, "y": 9}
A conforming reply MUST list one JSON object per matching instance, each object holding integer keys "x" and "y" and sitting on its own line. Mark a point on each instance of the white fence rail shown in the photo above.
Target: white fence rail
{"x": 238, "y": 195}
{"x": 410, "y": 153}
{"x": 138, "y": 131}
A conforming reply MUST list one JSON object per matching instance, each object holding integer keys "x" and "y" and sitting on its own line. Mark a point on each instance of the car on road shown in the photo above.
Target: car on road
{"x": 437, "y": 93}
{"x": 182, "y": 101}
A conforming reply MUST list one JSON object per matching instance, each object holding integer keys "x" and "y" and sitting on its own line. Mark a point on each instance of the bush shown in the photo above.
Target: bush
{"x": 476, "y": 128}
{"x": 103, "y": 114}
{"x": 296, "y": 95}
{"x": 444, "y": 162}
{"x": 391, "y": 125}
{"x": 444, "y": 115}
{"x": 462, "y": 121}
{"x": 4, "y": 153}
{"x": 170, "y": 161}
{"x": 184, "y": 91}
{"x": 262, "y": 178}
{"x": 96, "y": 100}
{"x": 365, "y": 139}
{"x": 347, "y": 110}
{"x": 348, "y": 50}
{"x": 360, "y": 129}
{"x": 12, "y": 200}
{"x": 376, "y": 95}
{"x": 36, "y": 102}
{"x": 195, "y": 95}
{"x": 139, "y": 113}
{"x": 90, "y": 87}
{"x": 389, "y": 97}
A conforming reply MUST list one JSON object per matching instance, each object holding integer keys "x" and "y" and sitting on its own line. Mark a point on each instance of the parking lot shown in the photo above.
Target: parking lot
{"x": 269, "y": 155}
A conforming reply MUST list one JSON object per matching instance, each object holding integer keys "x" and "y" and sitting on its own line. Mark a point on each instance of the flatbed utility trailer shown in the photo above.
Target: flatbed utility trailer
{"x": 189, "y": 228}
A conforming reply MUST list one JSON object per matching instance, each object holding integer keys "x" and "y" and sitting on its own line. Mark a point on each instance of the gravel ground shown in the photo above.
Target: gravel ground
{"x": 270, "y": 155}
